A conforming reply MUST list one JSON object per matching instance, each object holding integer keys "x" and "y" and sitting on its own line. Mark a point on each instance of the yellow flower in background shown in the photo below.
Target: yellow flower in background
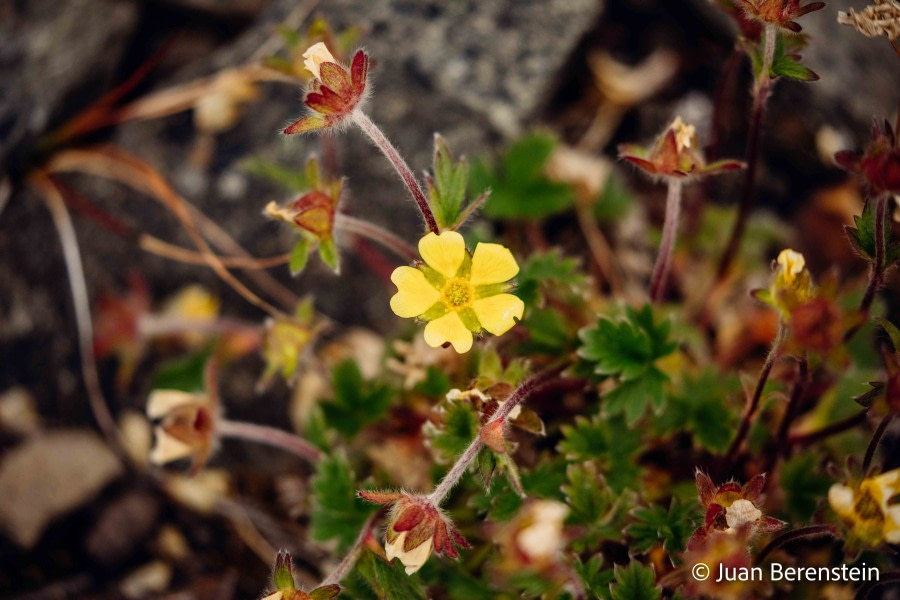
{"x": 870, "y": 509}
{"x": 792, "y": 264}
{"x": 458, "y": 293}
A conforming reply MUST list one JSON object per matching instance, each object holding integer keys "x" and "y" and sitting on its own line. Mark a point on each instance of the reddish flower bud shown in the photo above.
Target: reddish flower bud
{"x": 879, "y": 165}
{"x": 779, "y": 12}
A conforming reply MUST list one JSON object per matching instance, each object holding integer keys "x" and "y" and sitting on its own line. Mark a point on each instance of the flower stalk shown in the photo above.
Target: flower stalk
{"x": 753, "y": 403}
{"x": 761, "y": 89}
{"x": 415, "y": 189}
{"x": 663, "y": 265}
{"x": 269, "y": 436}
{"x": 876, "y": 439}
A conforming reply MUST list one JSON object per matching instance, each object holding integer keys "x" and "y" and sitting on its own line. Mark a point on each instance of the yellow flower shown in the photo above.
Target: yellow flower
{"x": 792, "y": 264}
{"x": 867, "y": 509}
{"x": 458, "y": 293}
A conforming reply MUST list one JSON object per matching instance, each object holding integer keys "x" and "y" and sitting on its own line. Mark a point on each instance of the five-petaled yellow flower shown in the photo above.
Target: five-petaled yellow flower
{"x": 456, "y": 292}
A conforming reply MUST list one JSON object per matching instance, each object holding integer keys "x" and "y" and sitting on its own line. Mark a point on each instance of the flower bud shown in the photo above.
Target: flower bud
{"x": 416, "y": 527}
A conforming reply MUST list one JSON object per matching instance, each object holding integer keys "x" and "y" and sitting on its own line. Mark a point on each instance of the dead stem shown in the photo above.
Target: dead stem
{"x": 599, "y": 247}
{"x": 159, "y": 247}
{"x": 130, "y": 170}
{"x": 790, "y": 413}
{"x": 47, "y": 190}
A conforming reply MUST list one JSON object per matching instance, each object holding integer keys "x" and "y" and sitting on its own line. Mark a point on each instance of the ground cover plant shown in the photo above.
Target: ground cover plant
{"x": 568, "y": 398}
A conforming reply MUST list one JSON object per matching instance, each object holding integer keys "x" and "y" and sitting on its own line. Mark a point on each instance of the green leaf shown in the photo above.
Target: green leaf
{"x": 356, "y": 402}
{"x": 289, "y": 178}
{"x": 803, "y": 486}
{"x": 453, "y": 436}
{"x": 627, "y": 349}
{"x": 519, "y": 187}
{"x": 436, "y": 383}
{"x": 595, "y": 580}
{"x": 500, "y": 503}
{"x": 635, "y": 582}
{"x": 184, "y": 374}
{"x": 607, "y": 441}
{"x": 547, "y": 332}
{"x": 655, "y": 524}
{"x": 862, "y": 237}
{"x": 329, "y": 254}
{"x": 448, "y": 189}
{"x": 615, "y": 200}
{"x": 549, "y": 270}
{"x": 299, "y": 256}
{"x": 336, "y": 511}
{"x": 389, "y": 581}
{"x": 701, "y": 408}
{"x": 786, "y": 66}
{"x": 892, "y": 331}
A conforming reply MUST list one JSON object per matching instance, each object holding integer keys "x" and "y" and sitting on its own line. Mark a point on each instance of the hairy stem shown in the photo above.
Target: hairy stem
{"x": 761, "y": 88}
{"x": 835, "y": 428}
{"x": 670, "y": 231}
{"x": 753, "y": 403}
{"x": 406, "y": 174}
{"x": 462, "y": 463}
{"x": 376, "y": 234}
{"x": 270, "y": 436}
{"x": 790, "y": 413}
{"x": 876, "y": 438}
{"x": 347, "y": 563}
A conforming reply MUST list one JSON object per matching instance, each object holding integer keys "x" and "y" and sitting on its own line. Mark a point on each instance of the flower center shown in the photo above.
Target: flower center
{"x": 457, "y": 293}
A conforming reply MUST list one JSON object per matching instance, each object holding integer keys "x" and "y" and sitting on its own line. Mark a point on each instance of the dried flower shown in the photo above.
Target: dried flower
{"x": 732, "y": 508}
{"x": 779, "y": 12}
{"x": 675, "y": 154}
{"x": 187, "y": 423}
{"x": 416, "y": 527}
{"x": 285, "y": 340}
{"x": 335, "y": 92}
{"x": 881, "y": 18}
{"x": 219, "y": 110}
{"x": 458, "y": 293}
{"x": 879, "y": 164}
{"x": 870, "y": 508}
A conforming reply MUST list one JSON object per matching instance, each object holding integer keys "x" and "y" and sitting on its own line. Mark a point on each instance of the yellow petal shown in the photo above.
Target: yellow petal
{"x": 444, "y": 253}
{"x": 162, "y": 402}
{"x": 792, "y": 262}
{"x": 414, "y": 294}
{"x": 492, "y": 263}
{"x": 448, "y": 328}
{"x": 497, "y": 313}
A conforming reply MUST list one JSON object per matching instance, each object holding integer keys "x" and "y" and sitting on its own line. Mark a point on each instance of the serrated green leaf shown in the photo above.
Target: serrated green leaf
{"x": 627, "y": 350}
{"x": 655, "y": 524}
{"x": 862, "y": 237}
{"x": 700, "y": 407}
{"x": 451, "y": 438}
{"x": 635, "y": 582}
{"x": 299, "y": 256}
{"x": 548, "y": 270}
{"x": 892, "y": 331}
{"x": 336, "y": 511}
{"x": 607, "y": 441}
{"x": 595, "y": 580}
{"x": 356, "y": 402}
{"x": 500, "y": 503}
{"x": 547, "y": 332}
{"x": 388, "y": 581}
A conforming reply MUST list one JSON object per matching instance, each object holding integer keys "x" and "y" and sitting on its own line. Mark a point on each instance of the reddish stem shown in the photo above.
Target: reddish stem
{"x": 663, "y": 265}
{"x": 835, "y": 428}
